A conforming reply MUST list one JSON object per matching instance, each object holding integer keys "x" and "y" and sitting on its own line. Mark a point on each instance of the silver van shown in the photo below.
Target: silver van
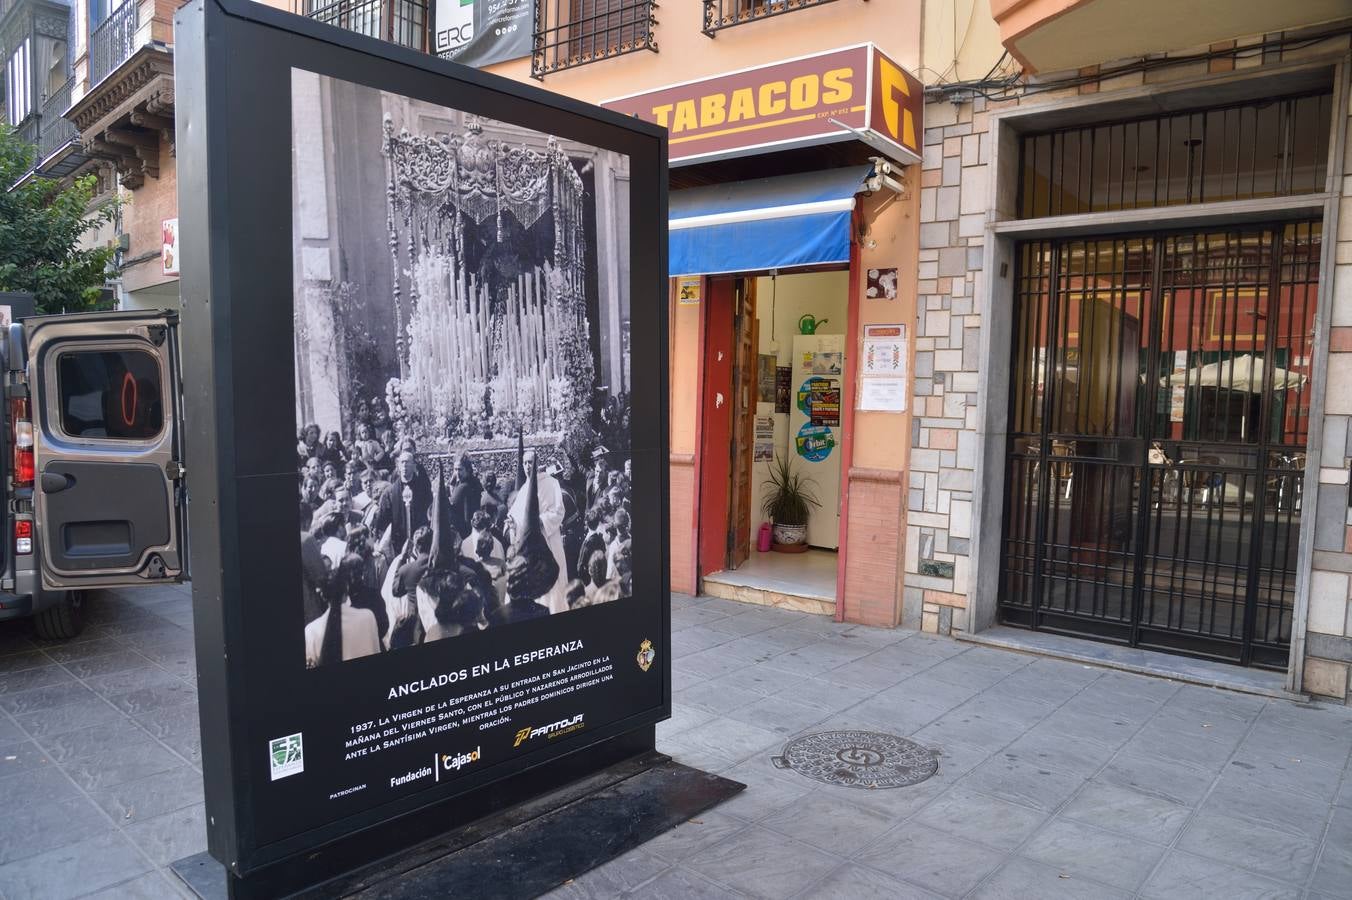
{"x": 91, "y": 456}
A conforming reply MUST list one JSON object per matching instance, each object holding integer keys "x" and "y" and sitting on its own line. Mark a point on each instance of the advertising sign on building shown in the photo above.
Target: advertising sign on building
{"x": 854, "y": 92}
{"x": 169, "y": 246}
{"x": 482, "y": 32}
{"x": 432, "y": 538}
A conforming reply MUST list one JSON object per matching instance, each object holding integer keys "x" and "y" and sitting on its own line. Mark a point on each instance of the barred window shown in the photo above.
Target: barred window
{"x": 575, "y": 32}
{"x": 1272, "y": 147}
{"x": 402, "y": 22}
{"x": 720, "y": 14}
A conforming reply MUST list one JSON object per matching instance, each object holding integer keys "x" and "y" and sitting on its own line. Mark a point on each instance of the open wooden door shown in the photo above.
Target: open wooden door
{"x": 747, "y": 331}
{"x": 716, "y": 435}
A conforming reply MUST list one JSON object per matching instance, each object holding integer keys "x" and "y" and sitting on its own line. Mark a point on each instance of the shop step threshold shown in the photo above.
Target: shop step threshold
{"x": 1207, "y": 673}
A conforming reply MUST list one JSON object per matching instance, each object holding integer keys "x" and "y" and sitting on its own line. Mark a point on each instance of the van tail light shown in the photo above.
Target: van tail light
{"x": 23, "y": 536}
{"x": 21, "y": 432}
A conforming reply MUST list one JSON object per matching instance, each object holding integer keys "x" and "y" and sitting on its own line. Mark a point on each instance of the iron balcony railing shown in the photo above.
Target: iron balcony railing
{"x": 54, "y": 132}
{"x": 27, "y": 130}
{"x": 720, "y": 14}
{"x": 112, "y": 43}
{"x": 576, "y": 32}
{"x": 403, "y": 22}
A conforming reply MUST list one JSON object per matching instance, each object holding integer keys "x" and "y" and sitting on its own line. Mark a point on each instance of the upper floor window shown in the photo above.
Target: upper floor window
{"x": 574, "y": 32}
{"x": 403, "y": 22}
{"x": 720, "y": 14}
{"x": 1273, "y": 147}
{"x": 19, "y": 83}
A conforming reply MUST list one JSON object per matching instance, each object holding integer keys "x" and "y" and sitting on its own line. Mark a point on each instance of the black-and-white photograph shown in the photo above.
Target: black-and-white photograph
{"x": 462, "y": 370}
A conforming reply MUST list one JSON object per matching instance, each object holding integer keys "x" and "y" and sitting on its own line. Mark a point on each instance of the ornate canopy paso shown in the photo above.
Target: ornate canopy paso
{"x": 476, "y": 362}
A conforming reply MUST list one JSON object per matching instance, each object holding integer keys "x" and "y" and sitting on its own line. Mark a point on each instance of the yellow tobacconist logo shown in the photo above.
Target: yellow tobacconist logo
{"x": 748, "y": 104}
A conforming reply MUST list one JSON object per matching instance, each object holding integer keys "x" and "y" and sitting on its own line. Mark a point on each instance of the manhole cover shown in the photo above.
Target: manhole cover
{"x": 862, "y": 759}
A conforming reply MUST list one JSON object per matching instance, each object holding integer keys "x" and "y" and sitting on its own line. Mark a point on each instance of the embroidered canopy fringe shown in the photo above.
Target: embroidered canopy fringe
{"x": 469, "y": 366}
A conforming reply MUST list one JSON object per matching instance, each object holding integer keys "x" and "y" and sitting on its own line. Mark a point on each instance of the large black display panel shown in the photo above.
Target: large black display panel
{"x": 425, "y": 353}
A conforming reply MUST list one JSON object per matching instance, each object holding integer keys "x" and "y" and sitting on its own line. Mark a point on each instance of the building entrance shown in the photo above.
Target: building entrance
{"x": 1159, "y": 408}
{"x": 774, "y": 373}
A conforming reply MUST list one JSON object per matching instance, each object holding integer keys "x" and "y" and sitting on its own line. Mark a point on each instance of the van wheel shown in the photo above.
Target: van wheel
{"x": 63, "y": 621}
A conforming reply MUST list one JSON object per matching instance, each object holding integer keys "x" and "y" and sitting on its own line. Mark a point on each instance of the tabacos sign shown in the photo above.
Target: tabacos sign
{"x": 793, "y": 103}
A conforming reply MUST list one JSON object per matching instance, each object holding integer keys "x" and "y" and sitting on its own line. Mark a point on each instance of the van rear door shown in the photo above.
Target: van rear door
{"x": 106, "y": 403}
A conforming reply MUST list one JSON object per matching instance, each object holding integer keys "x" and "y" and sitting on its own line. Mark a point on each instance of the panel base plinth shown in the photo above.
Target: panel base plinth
{"x": 523, "y": 851}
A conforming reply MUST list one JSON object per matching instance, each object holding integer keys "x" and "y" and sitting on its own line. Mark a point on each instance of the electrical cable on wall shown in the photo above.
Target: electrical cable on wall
{"x": 1014, "y": 85}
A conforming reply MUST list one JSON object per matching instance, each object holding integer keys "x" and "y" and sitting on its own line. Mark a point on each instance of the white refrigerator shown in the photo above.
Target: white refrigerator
{"x": 815, "y": 416}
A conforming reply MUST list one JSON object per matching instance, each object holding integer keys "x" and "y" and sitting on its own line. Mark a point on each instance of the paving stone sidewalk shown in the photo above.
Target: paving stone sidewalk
{"x": 1054, "y": 780}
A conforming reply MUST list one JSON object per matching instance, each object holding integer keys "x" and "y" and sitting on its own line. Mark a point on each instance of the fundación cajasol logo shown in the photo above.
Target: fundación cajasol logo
{"x": 286, "y": 756}
{"x": 454, "y": 762}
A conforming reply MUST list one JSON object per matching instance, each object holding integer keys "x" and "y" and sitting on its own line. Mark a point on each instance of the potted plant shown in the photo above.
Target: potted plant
{"x": 789, "y": 504}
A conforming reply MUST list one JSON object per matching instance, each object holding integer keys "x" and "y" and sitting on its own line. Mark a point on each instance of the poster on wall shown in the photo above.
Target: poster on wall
{"x": 764, "y": 444}
{"x": 765, "y": 377}
{"x": 819, "y": 400}
{"x": 882, "y": 375}
{"x": 463, "y": 455}
{"x": 824, "y": 362}
{"x": 482, "y": 32}
{"x": 814, "y": 443}
{"x": 688, "y": 290}
{"x": 451, "y": 500}
{"x": 169, "y": 247}
{"x": 783, "y": 388}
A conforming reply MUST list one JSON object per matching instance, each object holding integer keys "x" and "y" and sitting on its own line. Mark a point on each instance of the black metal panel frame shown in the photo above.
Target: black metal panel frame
{"x": 234, "y": 60}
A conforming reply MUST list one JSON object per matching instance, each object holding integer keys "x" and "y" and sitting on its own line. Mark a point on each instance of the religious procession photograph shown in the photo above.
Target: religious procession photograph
{"x": 462, "y": 406}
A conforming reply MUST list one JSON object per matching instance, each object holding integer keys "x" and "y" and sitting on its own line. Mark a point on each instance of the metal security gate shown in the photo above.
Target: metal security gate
{"x": 1158, "y": 422}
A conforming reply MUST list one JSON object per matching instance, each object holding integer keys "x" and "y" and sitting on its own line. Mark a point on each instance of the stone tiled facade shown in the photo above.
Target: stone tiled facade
{"x": 955, "y": 204}
{"x": 953, "y": 200}
{"x": 1328, "y": 640}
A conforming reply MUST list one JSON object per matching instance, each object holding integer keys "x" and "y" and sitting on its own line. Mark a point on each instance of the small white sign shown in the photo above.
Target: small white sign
{"x": 169, "y": 246}
{"x": 882, "y": 395}
{"x": 882, "y": 377}
{"x": 286, "y": 755}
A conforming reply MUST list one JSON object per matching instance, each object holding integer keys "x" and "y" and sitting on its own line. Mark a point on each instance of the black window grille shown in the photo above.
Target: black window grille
{"x": 576, "y": 32}
{"x": 403, "y": 22}
{"x": 1275, "y": 147}
{"x": 112, "y": 43}
{"x": 720, "y": 14}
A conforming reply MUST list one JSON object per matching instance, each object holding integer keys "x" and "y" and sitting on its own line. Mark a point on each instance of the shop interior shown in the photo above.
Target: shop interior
{"x": 787, "y": 382}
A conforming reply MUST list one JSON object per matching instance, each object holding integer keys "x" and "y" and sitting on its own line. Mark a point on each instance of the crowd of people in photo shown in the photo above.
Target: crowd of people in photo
{"x": 394, "y": 555}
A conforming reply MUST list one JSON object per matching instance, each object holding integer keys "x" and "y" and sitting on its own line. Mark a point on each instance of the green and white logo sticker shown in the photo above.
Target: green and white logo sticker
{"x": 286, "y": 755}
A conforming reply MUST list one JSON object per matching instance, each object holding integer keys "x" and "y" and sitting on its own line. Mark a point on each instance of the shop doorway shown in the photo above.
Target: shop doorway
{"x": 774, "y": 373}
{"x": 1159, "y": 417}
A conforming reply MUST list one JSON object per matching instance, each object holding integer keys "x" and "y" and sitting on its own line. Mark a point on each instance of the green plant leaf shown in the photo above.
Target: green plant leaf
{"x": 791, "y": 496}
{"x": 42, "y": 225}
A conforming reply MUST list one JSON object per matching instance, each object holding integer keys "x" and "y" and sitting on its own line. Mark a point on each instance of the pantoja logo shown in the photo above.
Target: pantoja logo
{"x": 452, "y": 762}
{"x": 550, "y": 731}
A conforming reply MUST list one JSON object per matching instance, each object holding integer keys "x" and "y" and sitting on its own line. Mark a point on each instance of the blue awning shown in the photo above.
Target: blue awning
{"x": 769, "y": 223}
